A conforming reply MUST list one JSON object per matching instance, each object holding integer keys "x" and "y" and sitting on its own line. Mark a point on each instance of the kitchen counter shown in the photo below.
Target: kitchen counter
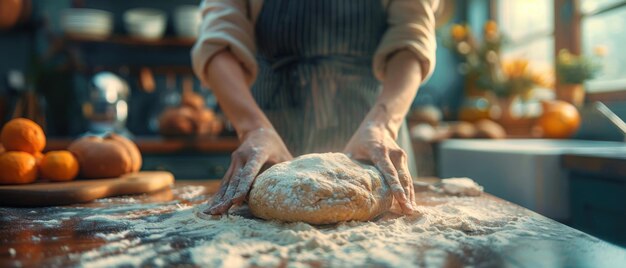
{"x": 132, "y": 230}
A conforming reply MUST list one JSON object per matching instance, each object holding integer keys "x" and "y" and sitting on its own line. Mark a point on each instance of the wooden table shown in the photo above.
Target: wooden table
{"x": 64, "y": 236}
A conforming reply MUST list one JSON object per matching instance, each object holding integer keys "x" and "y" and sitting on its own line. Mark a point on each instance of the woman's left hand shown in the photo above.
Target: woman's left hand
{"x": 375, "y": 142}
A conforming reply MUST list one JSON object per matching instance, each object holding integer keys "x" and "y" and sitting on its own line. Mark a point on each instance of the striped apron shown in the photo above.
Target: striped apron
{"x": 316, "y": 82}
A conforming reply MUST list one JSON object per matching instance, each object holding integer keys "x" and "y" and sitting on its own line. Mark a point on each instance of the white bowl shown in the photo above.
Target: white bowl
{"x": 145, "y": 23}
{"x": 87, "y": 22}
{"x": 187, "y": 20}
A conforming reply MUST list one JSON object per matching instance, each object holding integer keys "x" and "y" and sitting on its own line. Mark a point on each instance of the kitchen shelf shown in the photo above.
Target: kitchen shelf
{"x": 158, "y": 145}
{"x": 133, "y": 41}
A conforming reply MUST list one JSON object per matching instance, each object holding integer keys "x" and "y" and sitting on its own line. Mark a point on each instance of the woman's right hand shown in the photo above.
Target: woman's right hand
{"x": 259, "y": 147}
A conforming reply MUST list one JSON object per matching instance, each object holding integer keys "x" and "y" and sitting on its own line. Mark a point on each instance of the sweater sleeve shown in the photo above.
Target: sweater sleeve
{"x": 411, "y": 27}
{"x": 225, "y": 25}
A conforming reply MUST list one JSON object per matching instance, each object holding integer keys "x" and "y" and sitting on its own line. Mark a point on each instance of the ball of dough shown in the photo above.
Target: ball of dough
{"x": 320, "y": 189}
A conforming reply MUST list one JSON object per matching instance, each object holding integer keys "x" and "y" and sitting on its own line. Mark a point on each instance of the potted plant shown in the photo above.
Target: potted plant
{"x": 487, "y": 76}
{"x": 480, "y": 64}
{"x": 518, "y": 82}
{"x": 572, "y": 71}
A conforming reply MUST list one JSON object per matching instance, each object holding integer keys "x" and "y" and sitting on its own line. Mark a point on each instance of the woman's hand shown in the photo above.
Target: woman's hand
{"x": 260, "y": 147}
{"x": 374, "y": 142}
{"x": 375, "y": 139}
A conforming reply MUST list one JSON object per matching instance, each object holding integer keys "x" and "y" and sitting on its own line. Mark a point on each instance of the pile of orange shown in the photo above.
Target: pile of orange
{"x": 22, "y": 161}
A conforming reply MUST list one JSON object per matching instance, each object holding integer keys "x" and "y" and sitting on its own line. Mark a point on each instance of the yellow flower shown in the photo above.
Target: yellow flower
{"x": 491, "y": 28}
{"x": 516, "y": 68}
{"x": 600, "y": 50}
{"x": 565, "y": 57}
{"x": 459, "y": 32}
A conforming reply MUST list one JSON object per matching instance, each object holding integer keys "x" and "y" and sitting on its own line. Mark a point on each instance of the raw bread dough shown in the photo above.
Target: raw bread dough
{"x": 320, "y": 189}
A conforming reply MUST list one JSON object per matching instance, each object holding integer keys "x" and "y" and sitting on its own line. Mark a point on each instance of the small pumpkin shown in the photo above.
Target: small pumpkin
{"x": 108, "y": 157}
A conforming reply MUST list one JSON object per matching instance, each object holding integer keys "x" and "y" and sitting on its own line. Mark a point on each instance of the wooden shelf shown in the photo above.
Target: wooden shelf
{"x": 159, "y": 145}
{"x": 133, "y": 41}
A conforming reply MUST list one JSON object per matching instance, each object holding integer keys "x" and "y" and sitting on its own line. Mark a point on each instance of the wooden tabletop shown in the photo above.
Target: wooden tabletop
{"x": 65, "y": 236}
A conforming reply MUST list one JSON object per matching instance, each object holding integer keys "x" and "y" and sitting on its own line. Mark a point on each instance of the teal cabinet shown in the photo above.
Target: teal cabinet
{"x": 189, "y": 166}
{"x": 598, "y": 206}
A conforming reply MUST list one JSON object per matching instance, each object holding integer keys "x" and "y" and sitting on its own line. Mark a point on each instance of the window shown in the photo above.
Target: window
{"x": 529, "y": 27}
{"x": 604, "y": 27}
{"x": 590, "y": 26}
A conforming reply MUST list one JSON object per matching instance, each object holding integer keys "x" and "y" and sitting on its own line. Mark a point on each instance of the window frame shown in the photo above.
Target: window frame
{"x": 568, "y": 19}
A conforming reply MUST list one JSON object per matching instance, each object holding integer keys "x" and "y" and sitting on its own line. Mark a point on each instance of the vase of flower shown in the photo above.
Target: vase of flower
{"x": 572, "y": 93}
{"x": 572, "y": 71}
{"x": 505, "y": 105}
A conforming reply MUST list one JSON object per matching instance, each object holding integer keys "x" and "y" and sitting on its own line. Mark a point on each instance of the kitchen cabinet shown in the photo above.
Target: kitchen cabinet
{"x": 190, "y": 166}
{"x": 597, "y": 182}
{"x": 523, "y": 171}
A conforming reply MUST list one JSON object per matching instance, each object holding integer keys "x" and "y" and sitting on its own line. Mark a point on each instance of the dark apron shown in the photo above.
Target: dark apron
{"x": 316, "y": 82}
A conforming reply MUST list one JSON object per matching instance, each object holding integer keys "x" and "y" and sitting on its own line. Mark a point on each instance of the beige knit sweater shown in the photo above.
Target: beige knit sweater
{"x": 229, "y": 24}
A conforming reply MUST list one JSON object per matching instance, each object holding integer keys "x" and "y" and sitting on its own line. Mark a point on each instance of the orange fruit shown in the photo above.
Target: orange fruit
{"x": 560, "y": 120}
{"x": 38, "y": 156}
{"x": 59, "y": 166}
{"x": 24, "y": 135}
{"x": 17, "y": 168}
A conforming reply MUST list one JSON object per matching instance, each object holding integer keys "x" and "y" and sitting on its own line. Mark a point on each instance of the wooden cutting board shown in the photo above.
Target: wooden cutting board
{"x": 81, "y": 191}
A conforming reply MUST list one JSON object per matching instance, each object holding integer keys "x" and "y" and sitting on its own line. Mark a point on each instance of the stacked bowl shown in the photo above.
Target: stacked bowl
{"x": 187, "y": 21}
{"x": 86, "y": 22}
{"x": 145, "y": 23}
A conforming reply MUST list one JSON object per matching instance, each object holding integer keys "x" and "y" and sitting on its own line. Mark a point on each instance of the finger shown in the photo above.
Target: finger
{"x": 248, "y": 174}
{"x": 224, "y": 182}
{"x": 399, "y": 159}
{"x": 405, "y": 175}
{"x": 391, "y": 177}
{"x": 224, "y": 204}
{"x": 219, "y": 205}
{"x": 235, "y": 164}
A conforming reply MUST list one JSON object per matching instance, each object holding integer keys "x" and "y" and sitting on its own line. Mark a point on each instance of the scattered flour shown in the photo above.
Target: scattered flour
{"x": 48, "y": 223}
{"x": 445, "y": 226}
{"x": 461, "y": 186}
{"x": 189, "y": 192}
{"x": 177, "y": 232}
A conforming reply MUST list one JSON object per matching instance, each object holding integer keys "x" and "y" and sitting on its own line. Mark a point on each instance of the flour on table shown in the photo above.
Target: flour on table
{"x": 177, "y": 232}
{"x": 320, "y": 189}
{"x": 444, "y": 226}
{"x": 461, "y": 187}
